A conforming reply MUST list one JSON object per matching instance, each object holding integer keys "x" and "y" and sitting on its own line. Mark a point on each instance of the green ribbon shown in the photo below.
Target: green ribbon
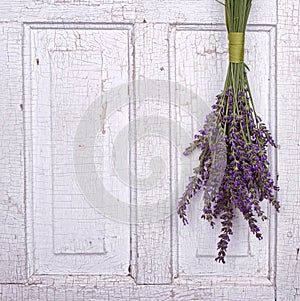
{"x": 236, "y": 47}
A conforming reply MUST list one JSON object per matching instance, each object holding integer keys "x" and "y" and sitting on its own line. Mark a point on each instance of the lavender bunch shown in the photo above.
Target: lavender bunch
{"x": 240, "y": 179}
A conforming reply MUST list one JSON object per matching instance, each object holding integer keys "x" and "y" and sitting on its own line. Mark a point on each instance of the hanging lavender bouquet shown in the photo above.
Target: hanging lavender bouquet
{"x": 233, "y": 125}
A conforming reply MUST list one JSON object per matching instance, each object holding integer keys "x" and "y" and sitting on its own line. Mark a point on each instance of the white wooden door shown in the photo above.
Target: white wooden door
{"x": 99, "y": 99}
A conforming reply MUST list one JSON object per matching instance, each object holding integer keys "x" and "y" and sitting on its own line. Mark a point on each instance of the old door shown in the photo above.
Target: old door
{"x": 99, "y": 99}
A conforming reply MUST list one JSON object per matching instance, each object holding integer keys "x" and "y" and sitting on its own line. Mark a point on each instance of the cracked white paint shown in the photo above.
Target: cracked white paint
{"x": 197, "y": 243}
{"x": 68, "y": 234}
{"x": 12, "y": 234}
{"x": 67, "y": 58}
{"x": 288, "y": 269}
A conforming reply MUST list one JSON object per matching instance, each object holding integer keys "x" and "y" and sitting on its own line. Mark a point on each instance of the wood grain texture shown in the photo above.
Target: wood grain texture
{"x": 12, "y": 234}
{"x": 154, "y": 246}
{"x": 153, "y": 233}
{"x": 92, "y": 290}
{"x": 288, "y": 267}
{"x": 201, "y": 61}
{"x": 72, "y": 229}
{"x": 82, "y": 2}
{"x": 167, "y": 11}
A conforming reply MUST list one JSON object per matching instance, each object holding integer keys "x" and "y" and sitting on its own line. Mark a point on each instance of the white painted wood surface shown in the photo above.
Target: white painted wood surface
{"x": 57, "y": 58}
{"x": 205, "y": 47}
{"x": 69, "y": 67}
{"x": 288, "y": 241}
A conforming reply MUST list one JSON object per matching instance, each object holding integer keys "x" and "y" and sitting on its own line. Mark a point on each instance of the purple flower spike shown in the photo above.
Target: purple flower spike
{"x": 240, "y": 179}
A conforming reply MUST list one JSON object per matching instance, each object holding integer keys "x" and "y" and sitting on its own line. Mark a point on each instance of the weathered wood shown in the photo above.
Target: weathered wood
{"x": 12, "y": 234}
{"x": 75, "y": 224}
{"x": 92, "y": 289}
{"x": 153, "y": 234}
{"x": 288, "y": 114}
{"x": 170, "y": 11}
{"x": 201, "y": 61}
{"x": 67, "y": 41}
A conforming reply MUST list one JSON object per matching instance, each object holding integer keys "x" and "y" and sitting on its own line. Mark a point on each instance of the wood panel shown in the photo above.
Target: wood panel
{"x": 65, "y": 234}
{"x": 82, "y": 289}
{"x": 83, "y": 2}
{"x": 152, "y": 239}
{"x": 201, "y": 63}
{"x": 74, "y": 184}
{"x": 12, "y": 234}
{"x": 167, "y": 11}
{"x": 288, "y": 125}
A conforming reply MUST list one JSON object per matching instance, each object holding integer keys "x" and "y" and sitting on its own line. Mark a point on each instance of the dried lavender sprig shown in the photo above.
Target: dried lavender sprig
{"x": 247, "y": 180}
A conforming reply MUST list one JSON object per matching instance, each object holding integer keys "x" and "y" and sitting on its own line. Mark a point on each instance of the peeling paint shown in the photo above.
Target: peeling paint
{"x": 70, "y": 38}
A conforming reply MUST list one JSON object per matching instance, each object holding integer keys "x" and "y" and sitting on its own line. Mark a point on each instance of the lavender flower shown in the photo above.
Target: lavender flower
{"x": 247, "y": 180}
{"x": 234, "y": 125}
